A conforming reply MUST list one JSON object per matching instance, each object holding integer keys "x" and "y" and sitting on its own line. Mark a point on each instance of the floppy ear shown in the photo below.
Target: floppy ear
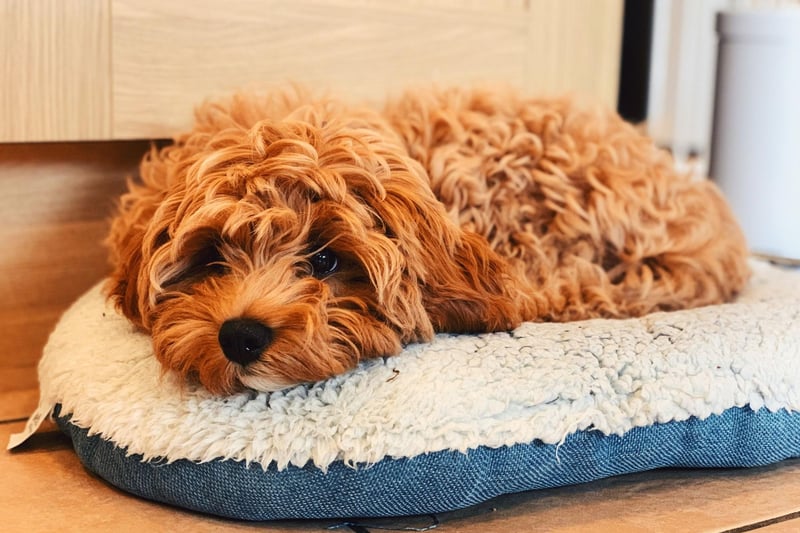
{"x": 125, "y": 244}
{"x": 126, "y": 239}
{"x": 466, "y": 287}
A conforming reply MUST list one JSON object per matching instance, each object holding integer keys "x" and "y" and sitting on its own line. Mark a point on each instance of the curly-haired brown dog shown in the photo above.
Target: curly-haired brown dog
{"x": 286, "y": 238}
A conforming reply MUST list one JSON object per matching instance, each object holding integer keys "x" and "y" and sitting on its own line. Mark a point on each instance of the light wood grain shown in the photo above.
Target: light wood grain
{"x": 54, "y": 203}
{"x": 168, "y": 58}
{"x": 575, "y": 47}
{"x": 55, "y": 59}
{"x": 124, "y": 69}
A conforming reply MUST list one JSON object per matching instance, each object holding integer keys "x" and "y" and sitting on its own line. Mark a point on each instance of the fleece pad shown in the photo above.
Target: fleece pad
{"x": 443, "y": 425}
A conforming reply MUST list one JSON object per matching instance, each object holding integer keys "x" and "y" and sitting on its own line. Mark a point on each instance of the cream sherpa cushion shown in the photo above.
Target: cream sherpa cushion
{"x": 443, "y": 425}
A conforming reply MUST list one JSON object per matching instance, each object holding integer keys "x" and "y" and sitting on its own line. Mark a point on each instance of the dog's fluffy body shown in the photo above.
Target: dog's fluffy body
{"x": 348, "y": 233}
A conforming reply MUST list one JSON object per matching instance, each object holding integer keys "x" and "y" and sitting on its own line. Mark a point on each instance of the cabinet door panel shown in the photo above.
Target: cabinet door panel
{"x": 168, "y": 56}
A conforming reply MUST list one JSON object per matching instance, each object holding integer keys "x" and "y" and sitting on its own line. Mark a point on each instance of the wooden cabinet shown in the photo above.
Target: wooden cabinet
{"x": 126, "y": 69}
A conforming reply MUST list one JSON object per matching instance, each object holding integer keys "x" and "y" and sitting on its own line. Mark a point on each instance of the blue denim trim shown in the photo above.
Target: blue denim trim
{"x": 441, "y": 481}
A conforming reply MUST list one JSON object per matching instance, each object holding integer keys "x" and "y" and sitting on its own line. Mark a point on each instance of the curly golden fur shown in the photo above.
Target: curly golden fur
{"x": 287, "y": 237}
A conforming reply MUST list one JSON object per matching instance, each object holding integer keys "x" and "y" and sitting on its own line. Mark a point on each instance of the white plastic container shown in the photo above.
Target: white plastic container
{"x": 755, "y": 147}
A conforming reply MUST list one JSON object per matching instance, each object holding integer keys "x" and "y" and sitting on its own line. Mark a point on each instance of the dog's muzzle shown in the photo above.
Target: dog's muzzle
{"x": 243, "y": 340}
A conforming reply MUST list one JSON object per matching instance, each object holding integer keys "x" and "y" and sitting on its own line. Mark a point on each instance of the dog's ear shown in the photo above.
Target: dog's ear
{"x": 125, "y": 245}
{"x": 466, "y": 287}
{"x": 127, "y": 237}
{"x": 469, "y": 289}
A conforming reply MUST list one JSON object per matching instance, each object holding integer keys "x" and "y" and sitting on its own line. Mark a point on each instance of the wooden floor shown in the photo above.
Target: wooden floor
{"x": 45, "y": 488}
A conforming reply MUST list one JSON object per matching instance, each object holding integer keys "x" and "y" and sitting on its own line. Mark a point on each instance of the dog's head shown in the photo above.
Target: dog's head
{"x": 266, "y": 253}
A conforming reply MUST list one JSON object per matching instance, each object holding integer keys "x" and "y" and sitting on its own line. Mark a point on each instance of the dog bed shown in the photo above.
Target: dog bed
{"x": 444, "y": 425}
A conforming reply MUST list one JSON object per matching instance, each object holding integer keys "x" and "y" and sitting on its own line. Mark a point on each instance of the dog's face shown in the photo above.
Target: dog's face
{"x": 288, "y": 252}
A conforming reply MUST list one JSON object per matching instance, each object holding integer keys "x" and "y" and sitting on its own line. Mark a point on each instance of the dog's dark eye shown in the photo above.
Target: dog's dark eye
{"x": 208, "y": 261}
{"x": 323, "y": 263}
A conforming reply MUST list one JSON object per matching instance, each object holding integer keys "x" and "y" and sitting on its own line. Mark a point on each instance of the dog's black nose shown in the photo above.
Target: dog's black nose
{"x": 243, "y": 340}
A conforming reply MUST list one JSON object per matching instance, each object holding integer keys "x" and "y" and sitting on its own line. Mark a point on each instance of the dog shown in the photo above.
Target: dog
{"x": 288, "y": 236}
